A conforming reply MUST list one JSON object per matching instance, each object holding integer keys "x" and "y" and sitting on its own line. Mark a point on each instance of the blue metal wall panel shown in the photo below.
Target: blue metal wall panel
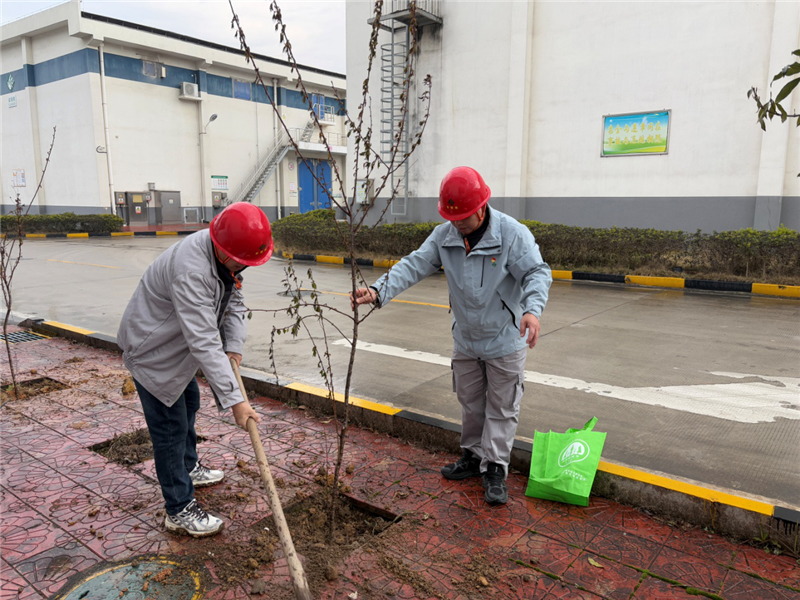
{"x": 220, "y": 86}
{"x": 64, "y": 67}
{"x": 20, "y": 81}
{"x": 132, "y": 69}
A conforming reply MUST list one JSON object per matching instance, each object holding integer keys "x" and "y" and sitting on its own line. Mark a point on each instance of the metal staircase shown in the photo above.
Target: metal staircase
{"x": 256, "y": 179}
{"x": 265, "y": 167}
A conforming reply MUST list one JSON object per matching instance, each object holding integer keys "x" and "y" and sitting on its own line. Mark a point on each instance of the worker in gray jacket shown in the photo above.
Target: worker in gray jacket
{"x": 498, "y": 287}
{"x": 187, "y": 314}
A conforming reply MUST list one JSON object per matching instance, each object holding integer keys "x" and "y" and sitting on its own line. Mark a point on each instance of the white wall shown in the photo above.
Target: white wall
{"x": 71, "y": 176}
{"x": 698, "y": 59}
{"x": 520, "y": 90}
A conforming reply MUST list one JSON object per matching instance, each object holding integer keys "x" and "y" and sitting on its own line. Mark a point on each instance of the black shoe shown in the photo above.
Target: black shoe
{"x": 468, "y": 465}
{"x": 494, "y": 482}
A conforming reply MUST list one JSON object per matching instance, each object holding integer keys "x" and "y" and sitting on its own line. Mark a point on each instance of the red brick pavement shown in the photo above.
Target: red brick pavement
{"x": 51, "y": 482}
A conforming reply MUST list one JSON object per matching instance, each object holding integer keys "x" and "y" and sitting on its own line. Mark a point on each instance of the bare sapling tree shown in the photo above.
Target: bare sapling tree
{"x": 11, "y": 255}
{"x": 307, "y": 313}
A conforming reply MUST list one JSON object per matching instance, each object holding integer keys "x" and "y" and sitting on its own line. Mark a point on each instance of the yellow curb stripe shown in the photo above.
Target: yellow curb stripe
{"x": 335, "y": 260}
{"x": 288, "y": 255}
{"x": 672, "y": 282}
{"x": 561, "y": 274}
{"x": 68, "y": 327}
{"x": 166, "y": 233}
{"x": 81, "y": 263}
{"x": 121, "y": 233}
{"x": 790, "y": 291}
{"x": 687, "y": 488}
{"x": 384, "y": 263}
{"x": 35, "y": 235}
{"x": 360, "y": 402}
{"x": 77, "y": 235}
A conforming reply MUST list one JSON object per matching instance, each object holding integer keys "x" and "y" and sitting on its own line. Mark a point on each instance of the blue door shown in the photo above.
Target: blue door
{"x": 305, "y": 182}
{"x": 324, "y": 187}
{"x": 314, "y": 194}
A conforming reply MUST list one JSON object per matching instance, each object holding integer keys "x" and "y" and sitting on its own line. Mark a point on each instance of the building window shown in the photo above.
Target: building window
{"x": 149, "y": 68}
{"x": 242, "y": 89}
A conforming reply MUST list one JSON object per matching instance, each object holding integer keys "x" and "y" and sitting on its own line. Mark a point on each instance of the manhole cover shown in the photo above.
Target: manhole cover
{"x": 17, "y": 337}
{"x": 143, "y": 578}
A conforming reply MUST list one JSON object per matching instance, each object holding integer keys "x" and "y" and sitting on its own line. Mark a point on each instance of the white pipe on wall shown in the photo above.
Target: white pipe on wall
{"x": 106, "y": 132}
{"x": 275, "y": 137}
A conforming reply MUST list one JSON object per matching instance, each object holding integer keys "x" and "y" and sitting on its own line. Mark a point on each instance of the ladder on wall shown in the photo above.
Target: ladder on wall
{"x": 395, "y": 88}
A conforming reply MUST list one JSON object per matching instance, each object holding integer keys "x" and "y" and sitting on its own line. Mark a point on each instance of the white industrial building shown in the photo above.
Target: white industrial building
{"x": 156, "y": 126}
{"x": 528, "y": 93}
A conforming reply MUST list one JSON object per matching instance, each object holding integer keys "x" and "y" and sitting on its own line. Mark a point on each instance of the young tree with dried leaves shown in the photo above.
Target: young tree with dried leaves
{"x": 308, "y": 314}
{"x": 11, "y": 255}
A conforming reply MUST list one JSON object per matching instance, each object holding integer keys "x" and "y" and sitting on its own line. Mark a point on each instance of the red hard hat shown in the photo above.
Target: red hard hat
{"x": 243, "y": 232}
{"x": 462, "y": 193}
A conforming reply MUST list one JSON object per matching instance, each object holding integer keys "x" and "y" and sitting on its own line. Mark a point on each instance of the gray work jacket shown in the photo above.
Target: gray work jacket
{"x": 501, "y": 279}
{"x": 169, "y": 328}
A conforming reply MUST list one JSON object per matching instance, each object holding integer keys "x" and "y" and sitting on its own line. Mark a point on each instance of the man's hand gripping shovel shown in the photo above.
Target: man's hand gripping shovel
{"x": 296, "y": 572}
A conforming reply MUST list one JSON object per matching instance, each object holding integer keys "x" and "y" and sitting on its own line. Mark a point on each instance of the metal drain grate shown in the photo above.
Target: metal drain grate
{"x": 18, "y": 337}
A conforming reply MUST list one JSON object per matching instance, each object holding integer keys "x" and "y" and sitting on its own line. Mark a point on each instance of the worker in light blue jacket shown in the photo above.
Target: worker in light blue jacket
{"x": 498, "y": 287}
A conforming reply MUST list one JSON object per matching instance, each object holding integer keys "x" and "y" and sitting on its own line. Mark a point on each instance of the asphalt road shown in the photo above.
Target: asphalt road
{"x": 695, "y": 385}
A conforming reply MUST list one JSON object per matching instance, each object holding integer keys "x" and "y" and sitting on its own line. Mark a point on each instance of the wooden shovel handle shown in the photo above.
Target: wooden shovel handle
{"x": 301, "y": 590}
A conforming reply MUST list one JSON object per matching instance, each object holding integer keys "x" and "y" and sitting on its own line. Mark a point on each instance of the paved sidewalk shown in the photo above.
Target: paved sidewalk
{"x": 68, "y": 513}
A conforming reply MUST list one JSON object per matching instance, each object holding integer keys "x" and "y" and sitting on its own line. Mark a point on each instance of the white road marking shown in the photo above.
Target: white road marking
{"x": 761, "y": 401}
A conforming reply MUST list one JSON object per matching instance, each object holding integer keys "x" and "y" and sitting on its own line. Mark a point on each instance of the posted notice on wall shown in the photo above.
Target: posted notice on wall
{"x": 17, "y": 178}
{"x": 636, "y": 133}
{"x": 219, "y": 182}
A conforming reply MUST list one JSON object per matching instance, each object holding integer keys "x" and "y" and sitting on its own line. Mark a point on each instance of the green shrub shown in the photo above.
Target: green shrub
{"x": 769, "y": 255}
{"x": 63, "y": 223}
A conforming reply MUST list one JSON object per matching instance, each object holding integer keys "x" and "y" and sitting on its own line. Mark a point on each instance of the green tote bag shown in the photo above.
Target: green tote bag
{"x": 563, "y": 465}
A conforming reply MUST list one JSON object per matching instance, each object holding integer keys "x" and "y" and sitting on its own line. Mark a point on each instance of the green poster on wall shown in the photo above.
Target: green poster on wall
{"x": 636, "y": 133}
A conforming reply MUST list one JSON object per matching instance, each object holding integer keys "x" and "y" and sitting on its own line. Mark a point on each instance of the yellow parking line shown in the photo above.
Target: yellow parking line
{"x": 687, "y": 488}
{"x": 399, "y": 301}
{"x": 81, "y": 263}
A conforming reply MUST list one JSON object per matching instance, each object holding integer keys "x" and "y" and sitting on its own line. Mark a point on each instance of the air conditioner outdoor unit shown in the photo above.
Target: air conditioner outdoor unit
{"x": 190, "y": 91}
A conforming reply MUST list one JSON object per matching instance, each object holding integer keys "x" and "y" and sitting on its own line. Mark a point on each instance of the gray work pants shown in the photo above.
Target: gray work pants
{"x": 489, "y": 392}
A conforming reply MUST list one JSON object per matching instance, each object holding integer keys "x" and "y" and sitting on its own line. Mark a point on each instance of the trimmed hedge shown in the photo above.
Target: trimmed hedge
{"x": 63, "y": 223}
{"x": 772, "y": 256}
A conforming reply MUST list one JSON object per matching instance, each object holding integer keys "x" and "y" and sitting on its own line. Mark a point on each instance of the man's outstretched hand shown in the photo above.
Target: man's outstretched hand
{"x": 530, "y": 325}
{"x": 363, "y": 296}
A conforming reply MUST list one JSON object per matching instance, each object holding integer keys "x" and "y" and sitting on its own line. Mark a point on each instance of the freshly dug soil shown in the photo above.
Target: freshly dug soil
{"x": 308, "y": 522}
{"x": 237, "y": 562}
{"x": 29, "y": 389}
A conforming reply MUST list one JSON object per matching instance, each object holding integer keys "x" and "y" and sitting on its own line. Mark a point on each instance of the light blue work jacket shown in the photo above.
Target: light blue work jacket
{"x": 501, "y": 279}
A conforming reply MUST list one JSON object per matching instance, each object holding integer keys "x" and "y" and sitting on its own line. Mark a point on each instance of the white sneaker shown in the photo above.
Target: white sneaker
{"x": 202, "y": 476}
{"x": 194, "y": 521}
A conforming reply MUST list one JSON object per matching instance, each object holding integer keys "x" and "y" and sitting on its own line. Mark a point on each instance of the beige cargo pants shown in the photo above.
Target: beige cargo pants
{"x": 489, "y": 392}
